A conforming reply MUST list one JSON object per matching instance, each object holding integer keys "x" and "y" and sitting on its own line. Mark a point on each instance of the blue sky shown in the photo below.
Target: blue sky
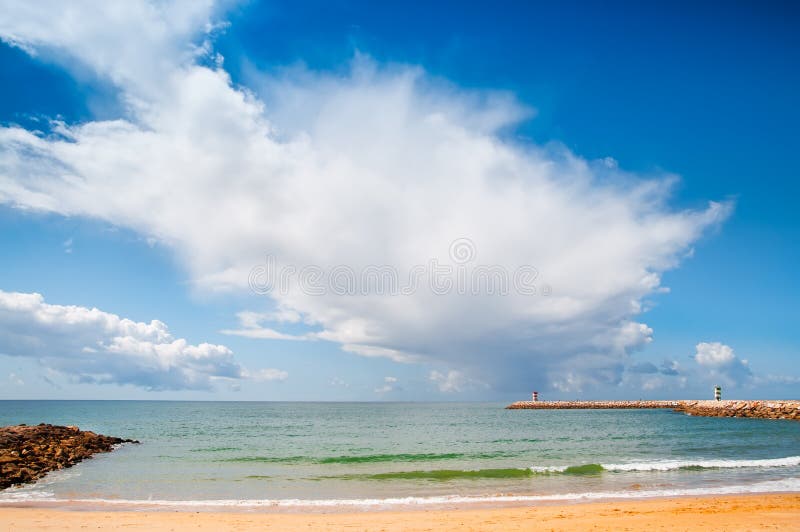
{"x": 699, "y": 98}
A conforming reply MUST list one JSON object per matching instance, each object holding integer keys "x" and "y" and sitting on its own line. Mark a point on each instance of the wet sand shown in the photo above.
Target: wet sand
{"x": 742, "y": 512}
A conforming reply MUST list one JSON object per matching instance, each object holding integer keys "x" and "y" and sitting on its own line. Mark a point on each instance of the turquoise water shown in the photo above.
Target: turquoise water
{"x": 378, "y": 454}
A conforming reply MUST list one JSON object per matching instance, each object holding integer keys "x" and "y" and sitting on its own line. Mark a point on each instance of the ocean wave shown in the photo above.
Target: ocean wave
{"x": 437, "y": 474}
{"x": 509, "y": 473}
{"x": 671, "y": 465}
{"x": 270, "y": 459}
{"x": 467, "y": 474}
{"x": 788, "y": 485}
{"x": 402, "y": 457}
{"x": 369, "y": 458}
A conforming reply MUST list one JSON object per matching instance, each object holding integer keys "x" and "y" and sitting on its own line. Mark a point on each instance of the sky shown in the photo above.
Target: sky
{"x": 398, "y": 202}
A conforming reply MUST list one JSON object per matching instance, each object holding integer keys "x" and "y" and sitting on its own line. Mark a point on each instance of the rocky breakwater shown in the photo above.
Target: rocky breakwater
{"x": 578, "y": 405}
{"x": 758, "y": 409}
{"x": 27, "y": 453}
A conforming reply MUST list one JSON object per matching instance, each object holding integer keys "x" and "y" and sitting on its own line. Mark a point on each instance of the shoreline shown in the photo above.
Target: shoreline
{"x": 399, "y": 504}
{"x": 737, "y": 512}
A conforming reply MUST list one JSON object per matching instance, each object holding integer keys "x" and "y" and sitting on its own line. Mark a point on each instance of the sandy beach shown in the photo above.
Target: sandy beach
{"x": 746, "y": 512}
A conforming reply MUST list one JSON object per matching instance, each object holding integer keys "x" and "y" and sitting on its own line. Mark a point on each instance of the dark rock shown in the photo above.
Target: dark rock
{"x": 27, "y": 453}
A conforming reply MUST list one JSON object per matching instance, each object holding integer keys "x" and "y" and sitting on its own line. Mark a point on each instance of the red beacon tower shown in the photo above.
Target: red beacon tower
{"x": 535, "y": 396}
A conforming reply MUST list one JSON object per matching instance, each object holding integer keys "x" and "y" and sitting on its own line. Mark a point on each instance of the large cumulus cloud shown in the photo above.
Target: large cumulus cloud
{"x": 99, "y": 347}
{"x": 382, "y": 165}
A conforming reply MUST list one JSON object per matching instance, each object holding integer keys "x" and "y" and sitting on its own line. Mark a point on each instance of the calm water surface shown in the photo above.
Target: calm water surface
{"x": 300, "y": 454}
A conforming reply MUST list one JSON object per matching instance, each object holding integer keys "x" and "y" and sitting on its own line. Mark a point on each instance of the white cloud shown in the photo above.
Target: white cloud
{"x": 251, "y": 325}
{"x": 390, "y": 385}
{"x": 265, "y": 375}
{"x": 133, "y": 43}
{"x": 714, "y": 354}
{"x": 374, "y": 351}
{"x": 255, "y": 319}
{"x": 15, "y": 379}
{"x": 384, "y": 165}
{"x": 722, "y": 363}
{"x": 95, "y": 346}
{"x": 262, "y": 333}
{"x": 454, "y": 381}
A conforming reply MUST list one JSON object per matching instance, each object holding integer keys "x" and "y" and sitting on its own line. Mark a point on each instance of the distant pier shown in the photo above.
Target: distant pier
{"x": 580, "y": 405}
{"x": 730, "y": 408}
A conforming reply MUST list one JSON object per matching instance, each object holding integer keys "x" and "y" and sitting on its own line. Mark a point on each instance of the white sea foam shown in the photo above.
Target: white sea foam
{"x": 670, "y": 465}
{"x": 667, "y": 465}
{"x": 14, "y": 495}
{"x": 769, "y": 486}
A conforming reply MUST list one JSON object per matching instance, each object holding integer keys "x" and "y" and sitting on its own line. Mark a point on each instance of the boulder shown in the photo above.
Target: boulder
{"x": 27, "y": 453}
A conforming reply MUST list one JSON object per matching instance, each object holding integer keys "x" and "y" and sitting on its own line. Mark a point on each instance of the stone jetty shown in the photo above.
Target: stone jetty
{"x": 581, "y": 405}
{"x": 759, "y": 409}
{"x": 27, "y": 453}
{"x": 730, "y": 408}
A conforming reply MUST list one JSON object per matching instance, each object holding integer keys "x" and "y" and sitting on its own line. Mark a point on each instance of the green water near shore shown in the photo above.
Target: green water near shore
{"x": 373, "y": 451}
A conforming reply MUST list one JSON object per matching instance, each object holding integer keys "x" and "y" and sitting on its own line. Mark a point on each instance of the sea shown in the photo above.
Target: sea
{"x": 299, "y": 456}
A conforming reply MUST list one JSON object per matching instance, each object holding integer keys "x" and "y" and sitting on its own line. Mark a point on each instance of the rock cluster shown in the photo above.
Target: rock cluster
{"x": 27, "y": 453}
{"x": 758, "y": 409}
{"x": 577, "y": 405}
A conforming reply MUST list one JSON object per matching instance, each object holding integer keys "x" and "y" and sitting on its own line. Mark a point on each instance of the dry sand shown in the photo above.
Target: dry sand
{"x": 744, "y": 512}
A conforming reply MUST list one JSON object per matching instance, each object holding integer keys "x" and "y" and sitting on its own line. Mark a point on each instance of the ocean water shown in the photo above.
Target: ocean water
{"x": 377, "y": 455}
